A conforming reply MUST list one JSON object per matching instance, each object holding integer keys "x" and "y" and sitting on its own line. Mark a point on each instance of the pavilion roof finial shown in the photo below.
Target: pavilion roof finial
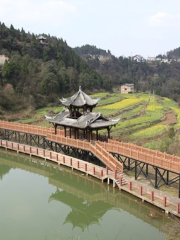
{"x": 80, "y": 99}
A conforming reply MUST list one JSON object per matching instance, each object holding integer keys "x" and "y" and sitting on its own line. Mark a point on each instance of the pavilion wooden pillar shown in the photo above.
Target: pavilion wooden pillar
{"x": 97, "y": 137}
{"x": 108, "y": 129}
{"x": 70, "y": 132}
{"x": 55, "y": 127}
{"x": 91, "y": 134}
{"x": 88, "y": 135}
{"x": 65, "y": 131}
{"x": 75, "y": 133}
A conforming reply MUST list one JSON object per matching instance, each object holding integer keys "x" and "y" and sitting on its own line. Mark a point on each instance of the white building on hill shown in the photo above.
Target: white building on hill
{"x": 3, "y": 58}
{"x": 127, "y": 88}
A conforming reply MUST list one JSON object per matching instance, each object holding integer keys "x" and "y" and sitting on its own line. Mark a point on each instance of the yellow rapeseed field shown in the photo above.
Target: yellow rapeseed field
{"x": 124, "y": 103}
{"x": 154, "y": 108}
{"x": 167, "y": 99}
{"x": 150, "y": 132}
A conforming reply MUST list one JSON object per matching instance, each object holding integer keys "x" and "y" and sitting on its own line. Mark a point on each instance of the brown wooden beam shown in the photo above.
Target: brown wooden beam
{"x": 64, "y": 131}
{"x": 70, "y": 132}
{"x": 97, "y": 137}
{"x": 108, "y": 132}
{"x": 55, "y": 127}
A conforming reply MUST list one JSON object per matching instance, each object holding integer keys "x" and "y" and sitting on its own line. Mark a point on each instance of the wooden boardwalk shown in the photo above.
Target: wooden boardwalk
{"x": 157, "y": 198}
{"x": 61, "y": 159}
{"x": 114, "y": 170}
{"x": 157, "y": 158}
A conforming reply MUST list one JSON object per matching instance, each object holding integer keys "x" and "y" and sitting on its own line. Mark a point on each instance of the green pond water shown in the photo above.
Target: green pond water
{"x": 42, "y": 201}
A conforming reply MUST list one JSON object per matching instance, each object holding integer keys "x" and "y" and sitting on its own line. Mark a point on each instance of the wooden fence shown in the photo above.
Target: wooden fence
{"x": 156, "y": 158}
{"x": 96, "y": 149}
{"x": 27, "y": 128}
{"x": 102, "y": 149}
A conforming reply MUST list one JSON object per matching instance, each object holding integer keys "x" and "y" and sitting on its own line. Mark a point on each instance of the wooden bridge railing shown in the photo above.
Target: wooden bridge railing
{"x": 96, "y": 149}
{"x": 156, "y": 158}
{"x": 145, "y": 150}
{"x": 27, "y": 128}
{"x": 166, "y": 161}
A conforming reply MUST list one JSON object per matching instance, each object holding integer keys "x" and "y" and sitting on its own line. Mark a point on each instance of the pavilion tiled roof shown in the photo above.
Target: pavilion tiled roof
{"x": 90, "y": 119}
{"x": 79, "y": 99}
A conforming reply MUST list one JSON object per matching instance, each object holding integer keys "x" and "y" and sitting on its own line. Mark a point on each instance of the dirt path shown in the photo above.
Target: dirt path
{"x": 170, "y": 118}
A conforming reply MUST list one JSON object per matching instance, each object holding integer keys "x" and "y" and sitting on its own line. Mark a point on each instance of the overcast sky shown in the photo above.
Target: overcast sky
{"x": 125, "y": 27}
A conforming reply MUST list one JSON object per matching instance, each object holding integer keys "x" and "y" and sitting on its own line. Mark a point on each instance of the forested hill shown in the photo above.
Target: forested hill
{"x": 174, "y": 53}
{"x": 90, "y": 50}
{"x": 160, "y": 78}
{"x": 40, "y": 70}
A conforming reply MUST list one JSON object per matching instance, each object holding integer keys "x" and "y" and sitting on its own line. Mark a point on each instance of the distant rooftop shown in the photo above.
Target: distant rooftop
{"x": 129, "y": 84}
{"x": 41, "y": 37}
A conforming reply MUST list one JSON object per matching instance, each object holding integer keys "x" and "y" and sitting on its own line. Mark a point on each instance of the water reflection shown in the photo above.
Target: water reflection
{"x": 89, "y": 200}
{"x": 4, "y": 169}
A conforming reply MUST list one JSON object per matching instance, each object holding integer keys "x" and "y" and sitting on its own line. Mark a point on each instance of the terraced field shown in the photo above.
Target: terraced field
{"x": 147, "y": 120}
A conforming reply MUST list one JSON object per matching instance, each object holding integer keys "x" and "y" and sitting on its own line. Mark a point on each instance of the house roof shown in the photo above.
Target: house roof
{"x": 128, "y": 84}
{"x": 41, "y": 37}
{"x": 91, "y": 120}
{"x": 79, "y": 99}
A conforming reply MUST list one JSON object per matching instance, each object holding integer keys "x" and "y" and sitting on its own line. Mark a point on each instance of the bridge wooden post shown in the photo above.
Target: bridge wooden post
{"x": 167, "y": 178}
{"x": 37, "y": 151}
{"x": 177, "y": 208}
{"x": 140, "y": 190}
{"x": 107, "y": 171}
{"x": 130, "y": 186}
{"x": 6, "y": 143}
{"x": 129, "y": 164}
{"x": 70, "y": 161}
{"x": 135, "y": 170}
{"x": 57, "y": 157}
{"x": 85, "y": 167}
{"x": 29, "y": 149}
{"x": 18, "y": 146}
{"x": 120, "y": 181}
{"x": 78, "y": 164}
{"x": 156, "y": 178}
{"x": 152, "y": 196}
{"x": 164, "y": 201}
{"x": 101, "y": 173}
{"x": 115, "y": 173}
{"x": 147, "y": 172}
{"x": 12, "y": 145}
{"x": 44, "y": 152}
{"x": 1, "y": 142}
{"x": 24, "y": 148}
{"x": 94, "y": 171}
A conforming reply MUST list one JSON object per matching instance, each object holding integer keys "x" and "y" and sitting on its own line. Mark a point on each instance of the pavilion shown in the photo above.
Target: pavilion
{"x": 78, "y": 120}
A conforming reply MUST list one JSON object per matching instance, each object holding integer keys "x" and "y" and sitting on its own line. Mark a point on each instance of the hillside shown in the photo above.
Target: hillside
{"x": 161, "y": 78}
{"x": 146, "y": 119}
{"x": 174, "y": 54}
{"x": 39, "y": 71}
